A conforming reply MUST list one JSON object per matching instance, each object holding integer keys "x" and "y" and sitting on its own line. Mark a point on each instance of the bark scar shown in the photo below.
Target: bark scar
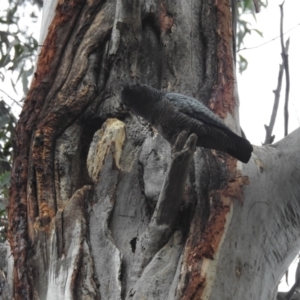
{"x": 166, "y": 20}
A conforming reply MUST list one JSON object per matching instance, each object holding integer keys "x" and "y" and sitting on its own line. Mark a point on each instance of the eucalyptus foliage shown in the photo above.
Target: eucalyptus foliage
{"x": 244, "y": 27}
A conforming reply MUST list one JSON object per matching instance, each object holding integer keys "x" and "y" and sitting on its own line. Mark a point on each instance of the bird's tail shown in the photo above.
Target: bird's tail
{"x": 226, "y": 141}
{"x": 239, "y": 147}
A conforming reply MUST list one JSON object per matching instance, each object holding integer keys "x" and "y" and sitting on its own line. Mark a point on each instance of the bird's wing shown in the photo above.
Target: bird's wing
{"x": 195, "y": 109}
{"x": 215, "y": 134}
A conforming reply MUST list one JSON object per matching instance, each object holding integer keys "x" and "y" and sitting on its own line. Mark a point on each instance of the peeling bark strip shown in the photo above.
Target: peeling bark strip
{"x": 71, "y": 244}
{"x": 110, "y": 138}
{"x": 223, "y": 101}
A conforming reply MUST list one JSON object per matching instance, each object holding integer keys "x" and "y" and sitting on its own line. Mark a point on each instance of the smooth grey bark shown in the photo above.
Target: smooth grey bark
{"x": 263, "y": 233}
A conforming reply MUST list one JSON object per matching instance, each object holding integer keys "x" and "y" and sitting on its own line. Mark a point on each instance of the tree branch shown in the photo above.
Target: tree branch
{"x": 283, "y": 67}
{"x": 269, "y": 128}
{"x": 289, "y": 295}
{"x": 285, "y": 60}
{"x": 291, "y": 292}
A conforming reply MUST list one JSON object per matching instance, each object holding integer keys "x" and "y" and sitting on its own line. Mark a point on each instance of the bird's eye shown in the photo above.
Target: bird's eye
{"x": 125, "y": 101}
{"x": 126, "y": 107}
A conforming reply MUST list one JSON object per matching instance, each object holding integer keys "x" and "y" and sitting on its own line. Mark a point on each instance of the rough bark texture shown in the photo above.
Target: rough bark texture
{"x": 101, "y": 206}
{"x": 6, "y": 267}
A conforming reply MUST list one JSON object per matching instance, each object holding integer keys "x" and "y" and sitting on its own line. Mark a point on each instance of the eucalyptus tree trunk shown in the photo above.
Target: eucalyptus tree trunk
{"x": 101, "y": 206}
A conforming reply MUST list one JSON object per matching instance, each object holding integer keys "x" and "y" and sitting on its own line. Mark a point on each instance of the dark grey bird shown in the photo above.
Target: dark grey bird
{"x": 171, "y": 113}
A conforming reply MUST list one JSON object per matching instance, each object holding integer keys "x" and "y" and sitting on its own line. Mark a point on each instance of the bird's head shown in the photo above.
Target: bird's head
{"x": 131, "y": 94}
{"x": 139, "y": 98}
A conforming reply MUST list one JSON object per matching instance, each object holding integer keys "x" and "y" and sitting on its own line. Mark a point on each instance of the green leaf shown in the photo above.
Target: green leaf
{"x": 243, "y": 63}
{"x": 258, "y": 32}
{"x": 3, "y": 211}
{"x": 19, "y": 49}
{"x": 4, "y": 119}
{"x": 25, "y": 83}
{"x": 5, "y": 60}
{"x": 5, "y": 179}
{"x": 20, "y": 73}
{"x": 13, "y": 86}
